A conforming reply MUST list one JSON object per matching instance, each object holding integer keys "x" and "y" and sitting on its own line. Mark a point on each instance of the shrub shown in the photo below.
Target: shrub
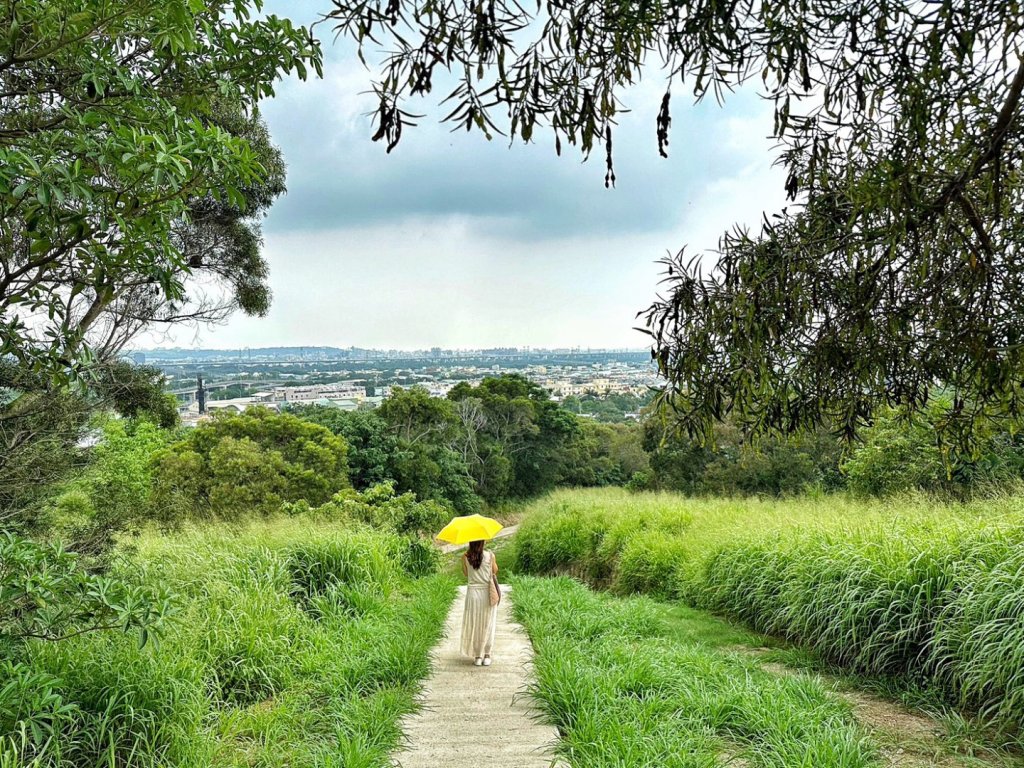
{"x": 45, "y": 594}
{"x": 900, "y": 454}
{"x": 381, "y": 508}
{"x": 250, "y": 463}
{"x": 640, "y": 481}
{"x": 111, "y": 497}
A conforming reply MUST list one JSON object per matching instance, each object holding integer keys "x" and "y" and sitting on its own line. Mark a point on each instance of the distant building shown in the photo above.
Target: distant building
{"x": 313, "y": 392}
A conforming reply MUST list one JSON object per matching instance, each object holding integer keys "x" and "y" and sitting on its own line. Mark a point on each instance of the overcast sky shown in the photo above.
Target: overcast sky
{"x": 455, "y": 241}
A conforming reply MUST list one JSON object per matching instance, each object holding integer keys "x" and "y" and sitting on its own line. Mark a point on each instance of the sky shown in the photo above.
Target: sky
{"x": 457, "y": 242}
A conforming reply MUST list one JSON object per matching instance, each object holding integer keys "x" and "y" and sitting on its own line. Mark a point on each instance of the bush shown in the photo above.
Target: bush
{"x": 250, "y": 463}
{"x": 111, "y": 497}
{"x": 900, "y": 454}
{"x": 775, "y": 466}
{"x": 381, "y": 508}
{"x": 640, "y": 481}
{"x": 46, "y": 594}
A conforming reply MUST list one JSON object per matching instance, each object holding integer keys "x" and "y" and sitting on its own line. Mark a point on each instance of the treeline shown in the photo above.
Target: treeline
{"x": 893, "y": 454}
{"x": 496, "y": 442}
{"x": 501, "y": 440}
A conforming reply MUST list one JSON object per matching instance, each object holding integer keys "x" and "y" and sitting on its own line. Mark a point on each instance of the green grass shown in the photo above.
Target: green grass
{"x": 297, "y": 643}
{"x": 909, "y": 589}
{"x": 632, "y": 684}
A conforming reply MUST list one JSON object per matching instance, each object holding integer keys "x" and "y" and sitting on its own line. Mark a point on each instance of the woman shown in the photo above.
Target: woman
{"x": 480, "y": 617}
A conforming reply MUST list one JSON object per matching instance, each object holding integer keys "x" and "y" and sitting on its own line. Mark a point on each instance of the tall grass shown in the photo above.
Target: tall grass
{"x": 907, "y": 588}
{"x": 623, "y": 691}
{"x": 295, "y": 644}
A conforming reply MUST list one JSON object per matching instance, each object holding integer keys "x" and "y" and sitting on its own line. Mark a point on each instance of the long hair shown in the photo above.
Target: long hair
{"x": 475, "y": 555}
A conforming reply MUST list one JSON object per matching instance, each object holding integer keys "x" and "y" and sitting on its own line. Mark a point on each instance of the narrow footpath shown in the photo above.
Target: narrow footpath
{"x": 478, "y": 715}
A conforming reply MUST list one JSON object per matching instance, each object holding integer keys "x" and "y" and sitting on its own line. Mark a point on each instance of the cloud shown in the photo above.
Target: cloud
{"x": 449, "y": 281}
{"x": 455, "y": 241}
{"x": 338, "y": 177}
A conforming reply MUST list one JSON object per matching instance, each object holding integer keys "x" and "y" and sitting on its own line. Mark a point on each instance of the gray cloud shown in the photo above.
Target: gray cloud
{"x": 454, "y": 241}
{"x": 338, "y": 177}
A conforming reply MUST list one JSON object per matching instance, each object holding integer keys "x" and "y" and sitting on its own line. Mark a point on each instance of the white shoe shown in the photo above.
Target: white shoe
{"x": 487, "y": 661}
{"x": 478, "y": 662}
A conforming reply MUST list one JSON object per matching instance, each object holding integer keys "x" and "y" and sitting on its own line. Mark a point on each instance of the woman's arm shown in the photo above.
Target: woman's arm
{"x": 494, "y": 564}
{"x": 465, "y": 567}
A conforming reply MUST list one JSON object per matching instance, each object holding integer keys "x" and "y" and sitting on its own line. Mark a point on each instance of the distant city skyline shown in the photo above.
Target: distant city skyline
{"x": 429, "y": 348}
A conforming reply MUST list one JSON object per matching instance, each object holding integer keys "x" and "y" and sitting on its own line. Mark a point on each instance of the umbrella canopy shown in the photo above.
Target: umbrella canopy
{"x": 462, "y": 530}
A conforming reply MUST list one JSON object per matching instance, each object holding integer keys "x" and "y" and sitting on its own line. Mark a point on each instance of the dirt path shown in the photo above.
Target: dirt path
{"x": 478, "y": 715}
{"x": 908, "y": 739}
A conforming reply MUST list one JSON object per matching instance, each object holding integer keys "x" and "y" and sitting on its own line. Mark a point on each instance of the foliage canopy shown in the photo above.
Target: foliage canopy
{"x": 117, "y": 119}
{"x": 895, "y": 270}
{"x": 237, "y": 465}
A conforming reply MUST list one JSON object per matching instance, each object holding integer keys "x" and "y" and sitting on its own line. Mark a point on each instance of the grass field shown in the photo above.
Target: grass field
{"x": 912, "y": 589}
{"x": 629, "y": 683}
{"x": 296, "y": 643}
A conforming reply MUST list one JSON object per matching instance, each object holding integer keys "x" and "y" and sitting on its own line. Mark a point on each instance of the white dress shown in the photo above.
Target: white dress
{"x": 480, "y": 618}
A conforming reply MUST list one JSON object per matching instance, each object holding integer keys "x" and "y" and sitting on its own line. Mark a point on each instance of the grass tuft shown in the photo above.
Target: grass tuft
{"x": 626, "y": 688}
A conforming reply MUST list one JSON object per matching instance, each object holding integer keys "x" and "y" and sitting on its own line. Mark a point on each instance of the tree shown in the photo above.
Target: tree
{"x": 220, "y": 241}
{"x": 895, "y": 270}
{"x": 901, "y": 454}
{"x": 513, "y": 435}
{"x": 378, "y": 453}
{"x": 43, "y": 430}
{"x": 240, "y": 464}
{"x": 775, "y": 465}
{"x": 415, "y": 415}
{"x": 604, "y": 454}
{"x": 123, "y": 138}
{"x": 49, "y": 596}
{"x": 372, "y": 446}
{"x": 110, "y": 496}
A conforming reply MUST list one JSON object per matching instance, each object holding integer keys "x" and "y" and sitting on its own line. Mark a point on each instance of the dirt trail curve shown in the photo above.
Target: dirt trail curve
{"x": 478, "y": 715}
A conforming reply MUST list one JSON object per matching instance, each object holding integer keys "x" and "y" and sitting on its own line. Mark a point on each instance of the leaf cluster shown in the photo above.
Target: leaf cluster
{"x": 896, "y": 268}
{"x": 112, "y": 127}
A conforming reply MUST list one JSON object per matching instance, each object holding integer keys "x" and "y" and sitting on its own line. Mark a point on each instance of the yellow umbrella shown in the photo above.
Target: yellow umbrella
{"x": 462, "y": 530}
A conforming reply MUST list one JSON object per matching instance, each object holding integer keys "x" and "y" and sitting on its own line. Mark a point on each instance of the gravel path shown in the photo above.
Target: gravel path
{"x": 478, "y": 716}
